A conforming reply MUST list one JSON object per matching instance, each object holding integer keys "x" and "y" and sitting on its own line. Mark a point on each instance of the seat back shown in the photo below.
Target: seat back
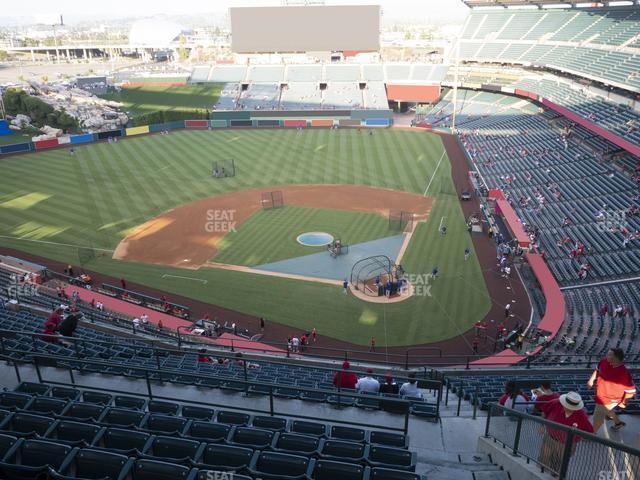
{"x": 156, "y": 470}
{"x": 199, "y": 413}
{"x": 341, "y": 449}
{"x": 51, "y": 406}
{"x": 165, "y": 423}
{"x": 84, "y": 412}
{"x": 209, "y": 432}
{"x": 65, "y": 393}
{"x": 33, "y": 388}
{"x": 14, "y": 400}
{"x": 97, "y": 397}
{"x": 97, "y": 464}
{"x": 348, "y": 433}
{"x": 176, "y": 448}
{"x": 26, "y": 423}
{"x": 125, "y": 440}
{"x": 6, "y": 442}
{"x": 74, "y": 432}
{"x": 392, "y": 457}
{"x": 270, "y": 423}
{"x": 329, "y": 470}
{"x": 123, "y": 401}
{"x": 308, "y": 428}
{"x": 282, "y": 464}
{"x": 167, "y": 408}
{"x": 233, "y": 418}
{"x": 226, "y": 456}
{"x": 39, "y": 453}
{"x": 390, "y": 474}
{"x": 122, "y": 417}
{"x": 252, "y": 436}
{"x": 294, "y": 442}
{"x": 389, "y": 439}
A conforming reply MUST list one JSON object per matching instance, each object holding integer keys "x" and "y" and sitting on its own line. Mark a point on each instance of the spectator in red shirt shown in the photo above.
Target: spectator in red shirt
{"x": 567, "y": 410}
{"x": 345, "y": 378}
{"x": 513, "y": 397}
{"x": 51, "y": 326}
{"x": 544, "y": 394}
{"x": 614, "y": 387}
{"x": 203, "y": 357}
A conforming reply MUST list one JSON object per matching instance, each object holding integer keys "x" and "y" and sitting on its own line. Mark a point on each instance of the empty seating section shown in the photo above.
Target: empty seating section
{"x": 226, "y": 73}
{"x": 304, "y": 73}
{"x": 260, "y": 96}
{"x": 342, "y": 73}
{"x": 228, "y": 98}
{"x": 342, "y": 95}
{"x": 46, "y": 443}
{"x": 200, "y": 74}
{"x": 577, "y": 41}
{"x": 266, "y": 73}
{"x": 375, "y": 96}
{"x": 301, "y": 96}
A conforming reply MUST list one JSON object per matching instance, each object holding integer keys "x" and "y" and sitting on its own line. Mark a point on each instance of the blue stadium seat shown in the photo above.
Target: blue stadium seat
{"x": 97, "y": 398}
{"x": 344, "y": 451}
{"x": 125, "y": 442}
{"x": 174, "y": 450}
{"x": 281, "y": 466}
{"x": 32, "y": 388}
{"x": 233, "y": 418}
{"x": 197, "y": 413}
{"x": 251, "y": 437}
{"x": 309, "y": 428}
{"x": 27, "y": 425}
{"x": 393, "y": 458}
{"x": 270, "y": 423}
{"x": 83, "y": 412}
{"x": 95, "y": 465}
{"x": 295, "y": 443}
{"x": 122, "y": 417}
{"x": 166, "y": 408}
{"x": 157, "y": 470}
{"x": 123, "y": 401}
{"x": 75, "y": 434}
{"x": 330, "y": 470}
{"x": 165, "y": 424}
{"x": 208, "y": 432}
{"x": 225, "y": 457}
{"x": 15, "y": 401}
{"x": 30, "y": 459}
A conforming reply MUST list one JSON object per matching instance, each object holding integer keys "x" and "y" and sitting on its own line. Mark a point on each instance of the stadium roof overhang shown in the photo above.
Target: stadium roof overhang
{"x": 535, "y": 3}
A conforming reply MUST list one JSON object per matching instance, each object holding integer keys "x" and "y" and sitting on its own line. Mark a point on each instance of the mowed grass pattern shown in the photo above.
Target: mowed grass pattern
{"x": 270, "y": 235}
{"x": 50, "y": 201}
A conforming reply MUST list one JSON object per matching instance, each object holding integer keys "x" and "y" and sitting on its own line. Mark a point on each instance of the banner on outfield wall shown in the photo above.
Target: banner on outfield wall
{"x": 218, "y": 123}
{"x": 16, "y": 147}
{"x": 137, "y": 130}
{"x": 364, "y": 114}
{"x": 377, "y": 122}
{"x": 87, "y": 137}
{"x": 295, "y": 123}
{"x": 322, "y": 123}
{"x": 241, "y": 123}
{"x": 231, "y": 115}
{"x": 108, "y": 134}
{"x": 267, "y": 123}
{"x": 53, "y": 142}
{"x": 64, "y": 140}
{"x": 196, "y": 123}
{"x": 349, "y": 123}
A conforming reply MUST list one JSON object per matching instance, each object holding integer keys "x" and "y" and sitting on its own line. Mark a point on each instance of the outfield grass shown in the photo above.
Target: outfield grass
{"x": 270, "y": 235}
{"x": 139, "y": 100}
{"x": 50, "y": 200}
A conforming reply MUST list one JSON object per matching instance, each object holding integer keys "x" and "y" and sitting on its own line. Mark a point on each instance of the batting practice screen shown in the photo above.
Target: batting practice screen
{"x": 311, "y": 28}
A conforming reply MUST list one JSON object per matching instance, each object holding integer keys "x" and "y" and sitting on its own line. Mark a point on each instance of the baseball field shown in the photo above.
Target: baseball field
{"x": 139, "y": 207}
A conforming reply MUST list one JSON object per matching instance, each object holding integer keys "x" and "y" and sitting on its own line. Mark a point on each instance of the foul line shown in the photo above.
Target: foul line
{"x": 434, "y": 173}
{"x": 186, "y": 278}
{"x": 55, "y": 243}
{"x": 441, "y": 220}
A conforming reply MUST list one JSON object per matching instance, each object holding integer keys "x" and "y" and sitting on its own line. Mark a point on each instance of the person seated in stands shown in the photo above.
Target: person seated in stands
{"x": 410, "y": 388}
{"x": 239, "y": 361}
{"x": 543, "y": 394}
{"x": 203, "y": 357}
{"x": 69, "y": 325}
{"x": 52, "y": 324}
{"x": 345, "y": 378}
{"x": 513, "y": 397}
{"x": 368, "y": 384}
{"x": 389, "y": 386}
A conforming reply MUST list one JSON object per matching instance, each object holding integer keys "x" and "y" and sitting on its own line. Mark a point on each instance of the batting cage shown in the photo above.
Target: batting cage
{"x": 400, "y": 221}
{"x": 270, "y": 200}
{"x": 377, "y": 276}
{"x": 223, "y": 168}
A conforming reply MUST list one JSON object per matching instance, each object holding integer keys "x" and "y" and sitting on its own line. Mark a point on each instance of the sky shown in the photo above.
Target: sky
{"x": 418, "y": 10}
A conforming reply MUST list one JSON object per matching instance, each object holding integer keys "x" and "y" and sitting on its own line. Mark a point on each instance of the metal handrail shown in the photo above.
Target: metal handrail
{"x": 572, "y": 435}
{"x": 59, "y": 361}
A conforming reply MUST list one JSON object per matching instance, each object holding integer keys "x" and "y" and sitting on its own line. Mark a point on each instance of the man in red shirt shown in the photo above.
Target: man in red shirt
{"x": 614, "y": 387}
{"x": 567, "y": 410}
{"x": 51, "y": 326}
{"x": 345, "y": 378}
